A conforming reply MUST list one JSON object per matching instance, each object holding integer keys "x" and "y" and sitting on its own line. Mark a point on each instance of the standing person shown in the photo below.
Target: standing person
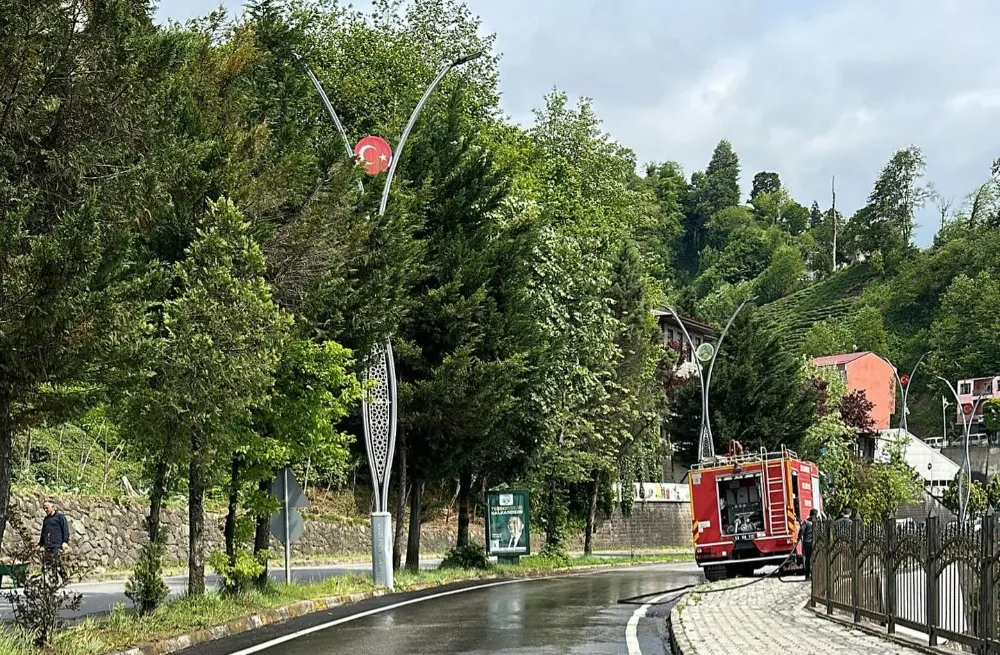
{"x": 55, "y": 536}
{"x": 806, "y": 531}
{"x": 844, "y": 523}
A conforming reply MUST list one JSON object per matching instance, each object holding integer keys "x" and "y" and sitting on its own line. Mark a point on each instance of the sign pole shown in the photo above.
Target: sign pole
{"x": 288, "y": 537}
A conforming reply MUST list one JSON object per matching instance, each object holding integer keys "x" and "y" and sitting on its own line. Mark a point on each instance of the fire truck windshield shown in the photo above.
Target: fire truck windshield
{"x": 740, "y": 505}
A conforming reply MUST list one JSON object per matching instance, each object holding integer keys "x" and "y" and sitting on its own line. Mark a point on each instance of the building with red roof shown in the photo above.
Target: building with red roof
{"x": 866, "y": 371}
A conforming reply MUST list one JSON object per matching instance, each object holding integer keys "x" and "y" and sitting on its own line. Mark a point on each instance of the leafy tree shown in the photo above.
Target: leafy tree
{"x": 782, "y": 276}
{"x": 991, "y": 415}
{"x": 764, "y": 182}
{"x": 856, "y": 412}
{"x": 884, "y": 227}
{"x": 710, "y": 192}
{"x": 77, "y": 90}
{"x": 979, "y": 499}
{"x": 815, "y": 216}
{"x": 963, "y": 336}
{"x": 212, "y": 359}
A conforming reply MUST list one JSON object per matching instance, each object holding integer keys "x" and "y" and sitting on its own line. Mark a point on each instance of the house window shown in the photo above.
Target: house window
{"x": 965, "y": 388}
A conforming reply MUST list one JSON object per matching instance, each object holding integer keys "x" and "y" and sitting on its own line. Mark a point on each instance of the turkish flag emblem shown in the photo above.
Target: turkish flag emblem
{"x": 374, "y": 153}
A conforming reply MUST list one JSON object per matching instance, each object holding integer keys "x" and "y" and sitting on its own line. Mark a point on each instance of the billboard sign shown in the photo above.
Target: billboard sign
{"x": 508, "y": 528}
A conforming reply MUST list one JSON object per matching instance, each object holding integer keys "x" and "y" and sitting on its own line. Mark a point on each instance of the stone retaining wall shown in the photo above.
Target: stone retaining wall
{"x": 109, "y": 533}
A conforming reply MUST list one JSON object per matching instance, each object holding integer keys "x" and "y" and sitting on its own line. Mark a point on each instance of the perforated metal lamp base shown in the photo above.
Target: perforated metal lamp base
{"x": 382, "y": 549}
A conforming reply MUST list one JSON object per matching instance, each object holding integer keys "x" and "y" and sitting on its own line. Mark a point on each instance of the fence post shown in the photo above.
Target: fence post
{"x": 932, "y": 546}
{"x": 828, "y": 565}
{"x": 987, "y": 618}
{"x": 856, "y": 570}
{"x": 889, "y": 573}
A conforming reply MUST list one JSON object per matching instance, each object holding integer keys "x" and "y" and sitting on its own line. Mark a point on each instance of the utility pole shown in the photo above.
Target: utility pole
{"x": 833, "y": 217}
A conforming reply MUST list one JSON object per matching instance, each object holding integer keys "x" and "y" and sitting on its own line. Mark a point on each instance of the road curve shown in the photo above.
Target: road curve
{"x": 571, "y": 614}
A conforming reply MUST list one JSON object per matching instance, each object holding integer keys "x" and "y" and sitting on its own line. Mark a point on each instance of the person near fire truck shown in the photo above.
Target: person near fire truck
{"x": 806, "y": 538}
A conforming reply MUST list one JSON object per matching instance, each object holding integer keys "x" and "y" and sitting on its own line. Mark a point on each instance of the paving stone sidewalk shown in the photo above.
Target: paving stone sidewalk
{"x": 764, "y": 618}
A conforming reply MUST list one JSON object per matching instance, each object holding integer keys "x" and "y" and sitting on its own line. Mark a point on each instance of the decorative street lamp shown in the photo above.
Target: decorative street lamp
{"x": 965, "y": 481}
{"x": 705, "y": 353}
{"x": 904, "y": 390}
{"x": 379, "y": 405}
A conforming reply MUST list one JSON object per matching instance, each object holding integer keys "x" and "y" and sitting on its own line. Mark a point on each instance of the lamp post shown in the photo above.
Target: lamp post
{"x": 944, "y": 419}
{"x": 965, "y": 481}
{"x": 706, "y": 447}
{"x": 379, "y": 405}
{"x": 904, "y": 390}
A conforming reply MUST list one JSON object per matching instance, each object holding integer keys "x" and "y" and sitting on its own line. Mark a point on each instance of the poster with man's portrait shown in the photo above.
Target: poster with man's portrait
{"x": 508, "y": 530}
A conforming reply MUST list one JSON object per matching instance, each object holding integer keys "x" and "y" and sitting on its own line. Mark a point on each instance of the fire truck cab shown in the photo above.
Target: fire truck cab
{"x": 746, "y": 509}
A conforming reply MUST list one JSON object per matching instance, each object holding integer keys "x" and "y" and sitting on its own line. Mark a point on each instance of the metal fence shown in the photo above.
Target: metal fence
{"x": 938, "y": 578}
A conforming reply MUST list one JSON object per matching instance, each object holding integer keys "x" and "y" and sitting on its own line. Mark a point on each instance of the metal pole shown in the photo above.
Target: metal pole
{"x": 944, "y": 420}
{"x": 706, "y": 443}
{"x": 965, "y": 492}
{"x": 379, "y": 416}
{"x": 288, "y": 536}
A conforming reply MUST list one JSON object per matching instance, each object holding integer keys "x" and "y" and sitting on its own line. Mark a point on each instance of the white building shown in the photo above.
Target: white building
{"x": 936, "y": 470}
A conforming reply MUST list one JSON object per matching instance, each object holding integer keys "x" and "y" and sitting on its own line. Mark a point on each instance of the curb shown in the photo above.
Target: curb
{"x": 908, "y": 642}
{"x": 678, "y": 641}
{"x": 304, "y": 607}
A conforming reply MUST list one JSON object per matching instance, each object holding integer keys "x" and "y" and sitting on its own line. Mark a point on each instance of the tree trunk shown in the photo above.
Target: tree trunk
{"x": 156, "y": 495}
{"x": 588, "y": 534}
{"x": 397, "y": 546}
{"x": 6, "y": 457}
{"x": 234, "y": 499}
{"x": 464, "y": 496}
{"x": 262, "y": 535}
{"x": 413, "y": 537}
{"x": 196, "y": 518}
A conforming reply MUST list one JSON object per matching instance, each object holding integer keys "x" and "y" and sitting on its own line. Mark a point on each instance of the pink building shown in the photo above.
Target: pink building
{"x": 969, "y": 391}
{"x": 869, "y": 373}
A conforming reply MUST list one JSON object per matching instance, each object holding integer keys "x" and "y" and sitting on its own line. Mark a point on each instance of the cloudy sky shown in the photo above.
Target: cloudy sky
{"x": 808, "y": 89}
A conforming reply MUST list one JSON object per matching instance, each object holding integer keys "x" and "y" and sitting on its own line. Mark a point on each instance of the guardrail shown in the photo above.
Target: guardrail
{"x": 937, "y": 578}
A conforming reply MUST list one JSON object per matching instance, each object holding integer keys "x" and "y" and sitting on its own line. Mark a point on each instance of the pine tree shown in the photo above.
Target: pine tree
{"x": 815, "y": 216}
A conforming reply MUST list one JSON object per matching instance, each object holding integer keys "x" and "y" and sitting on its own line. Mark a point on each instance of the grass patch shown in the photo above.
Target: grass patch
{"x": 123, "y": 628}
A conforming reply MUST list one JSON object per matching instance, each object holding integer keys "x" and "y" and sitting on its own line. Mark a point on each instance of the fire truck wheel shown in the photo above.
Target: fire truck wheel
{"x": 717, "y": 572}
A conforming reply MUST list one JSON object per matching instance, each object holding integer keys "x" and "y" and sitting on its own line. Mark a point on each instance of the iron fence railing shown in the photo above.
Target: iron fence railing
{"x": 937, "y": 578}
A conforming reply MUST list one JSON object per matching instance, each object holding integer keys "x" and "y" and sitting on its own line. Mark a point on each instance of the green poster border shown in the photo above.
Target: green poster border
{"x": 527, "y": 520}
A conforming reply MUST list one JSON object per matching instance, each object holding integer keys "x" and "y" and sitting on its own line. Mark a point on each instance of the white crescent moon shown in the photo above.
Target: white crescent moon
{"x": 361, "y": 152}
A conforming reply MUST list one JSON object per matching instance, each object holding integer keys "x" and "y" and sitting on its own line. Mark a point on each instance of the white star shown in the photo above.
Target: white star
{"x": 382, "y": 157}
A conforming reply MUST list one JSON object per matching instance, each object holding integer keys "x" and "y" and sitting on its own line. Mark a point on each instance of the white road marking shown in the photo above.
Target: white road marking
{"x": 631, "y": 628}
{"x": 360, "y": 615}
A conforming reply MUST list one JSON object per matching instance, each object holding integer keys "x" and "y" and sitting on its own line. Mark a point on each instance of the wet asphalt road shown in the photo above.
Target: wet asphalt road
{"x": 574, "y": 614}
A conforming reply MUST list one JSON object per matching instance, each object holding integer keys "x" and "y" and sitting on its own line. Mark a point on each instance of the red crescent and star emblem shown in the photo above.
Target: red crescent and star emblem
{"x": 905, "y": 380}
{"x": 967, "y": 408}
{"x": 374, "y": 153}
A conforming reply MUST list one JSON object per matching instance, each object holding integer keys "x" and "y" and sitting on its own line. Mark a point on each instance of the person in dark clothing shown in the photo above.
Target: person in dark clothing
{"x": 55, "y": 537}
{"x": 806, "y": 538}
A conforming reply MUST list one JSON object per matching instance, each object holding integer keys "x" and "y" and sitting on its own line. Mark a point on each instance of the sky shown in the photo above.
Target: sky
{"x": 811, "y": 90}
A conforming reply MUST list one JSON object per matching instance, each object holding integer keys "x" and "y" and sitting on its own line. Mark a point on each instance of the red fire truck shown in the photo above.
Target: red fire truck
{"x": 746, "y": 509}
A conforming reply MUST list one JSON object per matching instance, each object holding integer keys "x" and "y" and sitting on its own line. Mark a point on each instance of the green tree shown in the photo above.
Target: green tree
{"x": 884, "y": 227}
{"x": 979, "y": 499}
{"x": 782, "y": 276}
{"x": 764, "y": 182}
{"x": 963, "y": 335}
{"x": 710, "y": 192}
{"x": 211, "y": 360}
{"x": 815, "y": 216}
{"x": 77, "y": 90}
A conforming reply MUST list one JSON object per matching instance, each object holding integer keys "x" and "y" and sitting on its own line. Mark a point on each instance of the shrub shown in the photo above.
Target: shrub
{"x": 472, "y": 556}
{"x": 236, "y": 576}
{"x": 555, "y": 553}
{"x": 146, "y": 588}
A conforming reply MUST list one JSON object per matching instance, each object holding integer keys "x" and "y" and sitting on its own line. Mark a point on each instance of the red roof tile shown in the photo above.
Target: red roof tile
{"x": 837, "y": 360}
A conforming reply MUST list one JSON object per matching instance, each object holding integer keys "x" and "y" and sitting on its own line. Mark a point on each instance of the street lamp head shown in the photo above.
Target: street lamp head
{"x": 466, "y": 58}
